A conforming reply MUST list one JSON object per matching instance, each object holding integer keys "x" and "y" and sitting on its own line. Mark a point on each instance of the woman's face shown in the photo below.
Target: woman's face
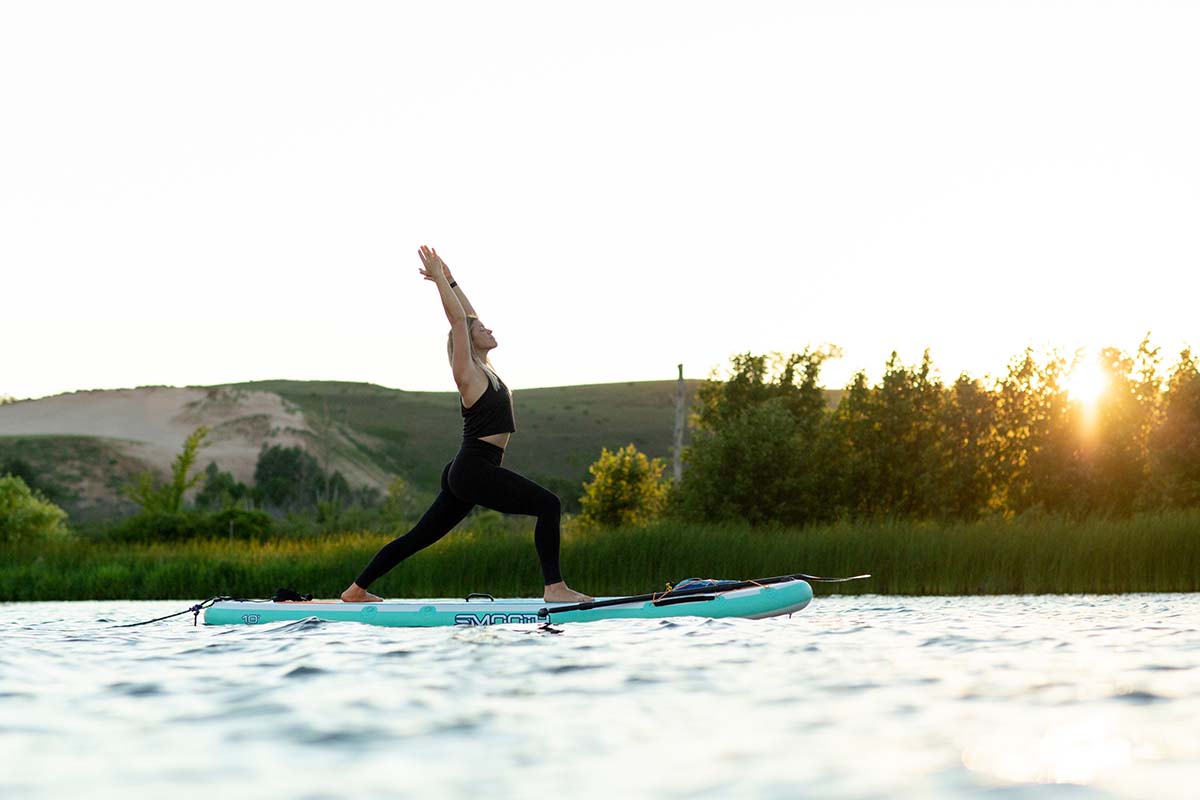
{"x": 481, "y": 337}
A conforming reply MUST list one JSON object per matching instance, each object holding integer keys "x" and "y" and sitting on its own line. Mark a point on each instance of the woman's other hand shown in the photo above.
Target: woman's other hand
{"x": 433, "y": 268}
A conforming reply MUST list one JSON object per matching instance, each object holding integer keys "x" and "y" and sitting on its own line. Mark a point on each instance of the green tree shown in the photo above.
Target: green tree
{"x": 1116, "y": 449}
{"x": 968, "y": 452}
{"x": 156, "y": 498}
{"x": 626, "y": 488}
{"x": 221, "y": 490}
{"x": 888, "y": 441}
{"x": 1175, "y": 444}
{"x": 759, "y": 447}
{"x": 288, "y": 478}
{"x": 754, "y": 379}
{"x": 747, "y": 470}
{"x": 1039, "y": 429}
{"x": 25, "y": 516}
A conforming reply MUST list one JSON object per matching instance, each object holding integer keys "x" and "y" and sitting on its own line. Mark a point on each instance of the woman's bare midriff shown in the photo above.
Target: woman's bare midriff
{"x": 498, "y": 439}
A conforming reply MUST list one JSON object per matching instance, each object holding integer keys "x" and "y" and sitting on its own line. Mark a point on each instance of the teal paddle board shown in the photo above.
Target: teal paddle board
{"x": 747, "y": 599}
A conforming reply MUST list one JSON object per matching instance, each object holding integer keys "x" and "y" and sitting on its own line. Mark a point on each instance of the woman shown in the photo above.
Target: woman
{"x": 475, "y": 476}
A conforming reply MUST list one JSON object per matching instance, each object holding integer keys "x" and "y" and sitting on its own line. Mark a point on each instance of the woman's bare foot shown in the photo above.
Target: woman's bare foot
{"x": 357, "y": 594}
{"x": 561, "y": 593}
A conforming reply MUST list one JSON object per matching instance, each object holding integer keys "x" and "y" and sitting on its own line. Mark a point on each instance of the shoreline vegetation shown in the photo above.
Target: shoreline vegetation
{"x": 1036, "y": 554}
{"x": 1055, "y": 477}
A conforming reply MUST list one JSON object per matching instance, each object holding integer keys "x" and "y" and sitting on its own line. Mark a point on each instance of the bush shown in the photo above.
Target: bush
{"x": 38, "y": 484}
{"x": 626, "y": 489}
{"x": 233, "y": 523}
{"x": 25, "y": 517}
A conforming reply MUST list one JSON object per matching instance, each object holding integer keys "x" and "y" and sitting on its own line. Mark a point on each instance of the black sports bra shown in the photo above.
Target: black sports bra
{"x": 491, "y": 413}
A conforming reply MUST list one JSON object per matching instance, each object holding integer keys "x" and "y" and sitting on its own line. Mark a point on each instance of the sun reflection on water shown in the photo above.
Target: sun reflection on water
{"x": 1075, "y": 753}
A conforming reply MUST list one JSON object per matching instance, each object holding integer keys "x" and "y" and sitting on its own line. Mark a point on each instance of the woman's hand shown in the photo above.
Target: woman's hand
{"x": 433, "y": 268}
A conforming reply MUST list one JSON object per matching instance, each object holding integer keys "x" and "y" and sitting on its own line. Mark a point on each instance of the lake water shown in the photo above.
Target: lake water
{"x": 855, "y": 697}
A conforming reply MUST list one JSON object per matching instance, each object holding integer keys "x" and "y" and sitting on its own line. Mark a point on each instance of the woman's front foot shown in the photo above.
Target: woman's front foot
{"x": 357, "y": 594}
{"x": 561, "y": 593}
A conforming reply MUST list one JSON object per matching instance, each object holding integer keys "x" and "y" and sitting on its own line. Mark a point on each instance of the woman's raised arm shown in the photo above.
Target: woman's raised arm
{"x": 458, "y": 292}
{"x": 466, "y": 373}
{"x": 434, "y": 269}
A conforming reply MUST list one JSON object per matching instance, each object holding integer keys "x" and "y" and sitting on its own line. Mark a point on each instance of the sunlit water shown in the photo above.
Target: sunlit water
{"x": 1052, "y": 696}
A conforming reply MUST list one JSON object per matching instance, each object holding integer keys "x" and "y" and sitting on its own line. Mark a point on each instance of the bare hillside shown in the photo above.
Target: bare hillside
{"x": 150, "y": 424}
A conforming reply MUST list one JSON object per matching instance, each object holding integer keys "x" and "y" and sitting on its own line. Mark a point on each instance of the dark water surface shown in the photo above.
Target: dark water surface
{"x": 855, "y": 697}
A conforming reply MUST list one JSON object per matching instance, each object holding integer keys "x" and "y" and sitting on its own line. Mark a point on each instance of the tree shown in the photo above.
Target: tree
{"x": 221, "y": 490}
{"x": 754, "y": 379}
{"x": 759, "y": 450}
{"x": 155, "y": 498}
{"x": 626, "y": 488}
{"x": 1038, "y": 463}
{"x": 887, "y": 441}
{"x": 288, "y": 478}
{"x": 748, "y": 470}
{"x": 968, "y": 453}
{"x": 1175, "y": 445}
{"x": 25, "y": 516}
{"x": 1116, "y": 449}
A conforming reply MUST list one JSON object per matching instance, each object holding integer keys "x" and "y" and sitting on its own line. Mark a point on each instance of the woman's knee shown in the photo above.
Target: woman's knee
{"x": 549, "y": 503}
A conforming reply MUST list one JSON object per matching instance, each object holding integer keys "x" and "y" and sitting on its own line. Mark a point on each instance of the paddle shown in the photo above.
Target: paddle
{"x": 655, "y": 597}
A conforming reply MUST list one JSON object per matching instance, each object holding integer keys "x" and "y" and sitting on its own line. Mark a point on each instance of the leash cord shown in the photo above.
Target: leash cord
{"x": 194, "y": 610}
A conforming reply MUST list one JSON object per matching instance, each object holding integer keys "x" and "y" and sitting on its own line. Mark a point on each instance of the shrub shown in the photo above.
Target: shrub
{"x": 234, "y": 523}
{"x": 24, "y": 516}
{"x": 38, "y": 484}
{"x": 626, "y": 489}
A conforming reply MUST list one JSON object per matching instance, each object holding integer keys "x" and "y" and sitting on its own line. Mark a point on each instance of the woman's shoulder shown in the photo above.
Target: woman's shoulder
{"x": 476, "y": 389}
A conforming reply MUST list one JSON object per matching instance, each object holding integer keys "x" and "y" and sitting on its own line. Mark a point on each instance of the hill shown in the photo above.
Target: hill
{"x": 91, "y": 443}
{"x": 560, "y": 430}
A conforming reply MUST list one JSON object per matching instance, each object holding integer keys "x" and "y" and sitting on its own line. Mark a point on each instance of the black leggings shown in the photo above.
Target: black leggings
{"x": 475, "y": 477}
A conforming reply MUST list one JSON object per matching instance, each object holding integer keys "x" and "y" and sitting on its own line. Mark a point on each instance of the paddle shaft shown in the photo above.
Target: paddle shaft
{"x": 733, "y": 587}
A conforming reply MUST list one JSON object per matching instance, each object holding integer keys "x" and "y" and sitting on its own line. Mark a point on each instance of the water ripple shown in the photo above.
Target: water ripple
{"x": 863, "y": 697}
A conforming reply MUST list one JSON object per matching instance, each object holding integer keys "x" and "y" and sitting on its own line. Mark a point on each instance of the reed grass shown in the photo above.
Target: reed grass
{"x": 1157, "y": 552}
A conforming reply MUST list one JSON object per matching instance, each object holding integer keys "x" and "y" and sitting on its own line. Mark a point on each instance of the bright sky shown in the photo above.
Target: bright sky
{"x": 201, "y": 193}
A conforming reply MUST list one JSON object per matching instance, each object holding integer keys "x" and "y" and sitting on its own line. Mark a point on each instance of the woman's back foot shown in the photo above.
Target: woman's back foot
{"x": 561, "y": 593}
{"x": 357, "y": 594}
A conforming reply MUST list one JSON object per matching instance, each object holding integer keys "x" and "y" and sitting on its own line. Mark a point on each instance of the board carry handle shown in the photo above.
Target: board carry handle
{"x": 480, "y": 596}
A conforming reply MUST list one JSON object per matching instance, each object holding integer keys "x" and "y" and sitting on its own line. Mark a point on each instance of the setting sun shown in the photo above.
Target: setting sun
{"x": 1086, "y": 383}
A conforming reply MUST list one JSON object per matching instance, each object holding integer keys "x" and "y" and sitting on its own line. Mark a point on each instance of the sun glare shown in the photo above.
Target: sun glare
{"x": 1086, "y": 383}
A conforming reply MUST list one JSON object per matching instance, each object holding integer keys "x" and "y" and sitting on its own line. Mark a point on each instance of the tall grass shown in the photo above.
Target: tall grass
{"x": 1152, "y": 553}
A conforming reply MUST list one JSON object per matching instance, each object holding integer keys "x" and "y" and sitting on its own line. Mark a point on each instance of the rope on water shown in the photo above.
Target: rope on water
{"x": 195, "y": 611}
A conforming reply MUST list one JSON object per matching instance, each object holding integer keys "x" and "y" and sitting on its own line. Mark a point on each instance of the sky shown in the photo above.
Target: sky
{"x": 206, "y": 193}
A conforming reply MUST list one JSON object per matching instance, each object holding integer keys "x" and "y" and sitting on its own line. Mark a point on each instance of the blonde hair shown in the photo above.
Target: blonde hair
{"x": 481, "y": 362}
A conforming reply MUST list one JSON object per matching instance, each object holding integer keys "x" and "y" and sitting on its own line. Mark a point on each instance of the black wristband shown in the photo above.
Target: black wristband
{"x": 453, "y": 284}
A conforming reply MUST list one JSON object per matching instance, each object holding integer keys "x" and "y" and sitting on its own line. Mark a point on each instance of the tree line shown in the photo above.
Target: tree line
{"x": 767, "y": 447}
